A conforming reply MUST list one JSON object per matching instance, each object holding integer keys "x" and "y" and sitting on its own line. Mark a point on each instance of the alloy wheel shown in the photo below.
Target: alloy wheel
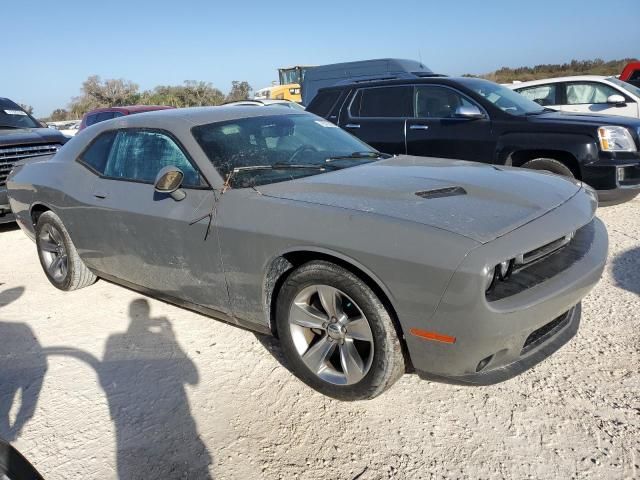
{"x": 331, "y": 334}
{"x": 54, "y": 252}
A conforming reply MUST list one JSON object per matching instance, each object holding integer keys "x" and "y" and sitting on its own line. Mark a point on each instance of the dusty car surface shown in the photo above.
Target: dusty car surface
{"x": 365, "y": 266}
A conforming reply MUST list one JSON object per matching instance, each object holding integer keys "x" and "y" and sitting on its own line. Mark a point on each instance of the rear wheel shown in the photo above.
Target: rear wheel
{"x": 336, "y": 334}
{"x": 58, "y": 256}
{"x": 550, "y": 165}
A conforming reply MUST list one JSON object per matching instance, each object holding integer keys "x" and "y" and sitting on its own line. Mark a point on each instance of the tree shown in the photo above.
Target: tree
{"x": 109, "y": 93}
{"x": 59, "y": 115}
{"x": 239, "y": 91}
{"x": 27, "y": 108}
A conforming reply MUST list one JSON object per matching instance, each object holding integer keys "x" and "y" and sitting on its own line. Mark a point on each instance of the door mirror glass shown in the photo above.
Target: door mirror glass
{"x": 169, "y": 180}
{"x": 616, "y": 99}
{"x": 468, "y": 111}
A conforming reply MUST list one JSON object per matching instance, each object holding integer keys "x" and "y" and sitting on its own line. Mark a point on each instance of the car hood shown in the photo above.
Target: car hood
{"x": 478, "y": 201}
{"x": 585, "y": 119}
{"x": 28, "y": 136}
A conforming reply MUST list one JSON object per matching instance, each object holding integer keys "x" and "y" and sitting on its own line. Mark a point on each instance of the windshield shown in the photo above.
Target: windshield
{"x": 260, "y": 150}
{"x": 627, "y": 86}
{"x": 292, "y": 75}
{"x": 504, "y": 98}
{"x": 12, "y": 116}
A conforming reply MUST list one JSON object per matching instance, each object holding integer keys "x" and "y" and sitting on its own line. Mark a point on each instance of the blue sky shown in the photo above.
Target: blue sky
{"x": 50, "y": 47}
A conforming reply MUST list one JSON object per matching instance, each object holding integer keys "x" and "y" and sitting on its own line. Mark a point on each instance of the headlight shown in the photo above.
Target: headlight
{"x": 500, "y": 272}
{"x": 616, "y": 139}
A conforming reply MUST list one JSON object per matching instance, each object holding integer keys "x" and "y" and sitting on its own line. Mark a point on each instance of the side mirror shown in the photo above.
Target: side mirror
{"x": 468, "y": 111}
{"x": 616, "y": 99}
{"x": 169, "y": 180}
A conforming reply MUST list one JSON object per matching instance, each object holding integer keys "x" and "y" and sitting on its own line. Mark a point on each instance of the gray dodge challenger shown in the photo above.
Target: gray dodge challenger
{"x": 364, "y": 266}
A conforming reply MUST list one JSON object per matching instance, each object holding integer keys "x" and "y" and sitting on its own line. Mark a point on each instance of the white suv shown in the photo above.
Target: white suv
{"x": 583, "y": 94}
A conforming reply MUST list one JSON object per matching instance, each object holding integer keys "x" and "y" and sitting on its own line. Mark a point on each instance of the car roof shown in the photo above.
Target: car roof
{"x": 130, "y": 109}
{"x": 432, "y": 79}
{"x": 203, "y": 115}
{"x": 573, "y": 78}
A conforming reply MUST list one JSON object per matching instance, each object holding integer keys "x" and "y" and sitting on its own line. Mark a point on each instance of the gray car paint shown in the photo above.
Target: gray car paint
{"x": 428, "y": 257}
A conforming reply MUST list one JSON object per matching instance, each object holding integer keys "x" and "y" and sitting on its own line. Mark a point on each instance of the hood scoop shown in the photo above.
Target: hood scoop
{"x": 442, "y": 192}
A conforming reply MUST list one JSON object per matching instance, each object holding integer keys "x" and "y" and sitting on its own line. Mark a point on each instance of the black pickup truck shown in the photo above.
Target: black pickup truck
{"x": 474, "y": 119}
{"x": 21, "y": 136}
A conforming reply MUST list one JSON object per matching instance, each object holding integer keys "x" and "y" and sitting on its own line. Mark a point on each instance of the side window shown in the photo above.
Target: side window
{"x": 585, "y": 93}
{"x": 438, "y": 102}
{"x": 102, "y": 116}
{"x": 323, "y": 102}
{"x": 91, "y": 119}
{"x": 386, "y": 102}
{"x": 96, "y": 155}
{"x": 140, "y": 154}
{"x": 541, "y": 94}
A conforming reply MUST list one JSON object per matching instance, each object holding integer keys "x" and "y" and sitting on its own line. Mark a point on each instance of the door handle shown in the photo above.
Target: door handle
{"x": 352, "y": 125}
{"x": 419, "y": 127}
{"x": 100, "y": 195}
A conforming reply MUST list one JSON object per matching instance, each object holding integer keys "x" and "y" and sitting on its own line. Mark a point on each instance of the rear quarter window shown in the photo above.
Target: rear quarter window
{"x": 323, "y": 102}
{"x": 96, "y": 155}
{"x": 383, "y": 102}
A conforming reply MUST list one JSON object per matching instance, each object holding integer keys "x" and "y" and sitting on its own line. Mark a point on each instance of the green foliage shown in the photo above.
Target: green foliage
{"x": 575, "y": 67}
{"x": 96, "y": 93}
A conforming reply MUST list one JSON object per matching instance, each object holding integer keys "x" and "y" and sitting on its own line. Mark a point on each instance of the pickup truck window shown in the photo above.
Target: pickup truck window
{"x": 12, "y": 116}
{"x": 384, "y": 102}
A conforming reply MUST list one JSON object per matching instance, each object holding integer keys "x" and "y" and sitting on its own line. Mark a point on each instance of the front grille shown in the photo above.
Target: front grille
{"x": 10, "y": 155}
{"x": 547, "y": 266}
{"x": 545, "y": 332}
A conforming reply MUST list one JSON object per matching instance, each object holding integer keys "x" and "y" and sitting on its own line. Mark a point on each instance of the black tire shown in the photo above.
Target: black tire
{"x": 75, "y": 274}
{"x": 387, "y": 364}
{"x": 14, "y": 466}
{"x": 550, "y": 165}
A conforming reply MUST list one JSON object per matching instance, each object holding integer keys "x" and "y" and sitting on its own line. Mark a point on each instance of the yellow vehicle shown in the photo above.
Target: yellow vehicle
{"x": 288, "y": 87}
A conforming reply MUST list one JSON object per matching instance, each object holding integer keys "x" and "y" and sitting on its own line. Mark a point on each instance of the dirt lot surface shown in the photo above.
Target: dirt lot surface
{"x": 79, "y": 370}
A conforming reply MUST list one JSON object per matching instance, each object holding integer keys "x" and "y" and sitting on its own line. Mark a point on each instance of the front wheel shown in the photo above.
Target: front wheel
{"x": 58, "y": 256}
{"x": 550, "y": 165}
{"x": 336, "y": 334}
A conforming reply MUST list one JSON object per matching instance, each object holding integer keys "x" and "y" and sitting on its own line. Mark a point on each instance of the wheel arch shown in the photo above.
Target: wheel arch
{"x": 520, "y": 157}
{"x": 279, "y": 268}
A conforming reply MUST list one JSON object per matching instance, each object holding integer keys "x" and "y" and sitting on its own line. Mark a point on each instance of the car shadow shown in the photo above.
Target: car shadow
{"x": 23, "y": 365}
{"x": 8, "y": 227}
{"x": 626, "y": 271}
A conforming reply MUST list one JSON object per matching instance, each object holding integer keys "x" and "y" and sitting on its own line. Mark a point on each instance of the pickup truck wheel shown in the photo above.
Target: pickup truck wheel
{"x": 550, "y": 165}
{"x": 337, "y": 335}
{"x": 58, "y": 256}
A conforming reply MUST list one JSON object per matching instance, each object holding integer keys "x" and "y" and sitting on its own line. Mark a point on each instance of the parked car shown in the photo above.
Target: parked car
{"x": 101, "y": 114}
{"x": 583, "y": 94}
{"x": 14, "y": 466}
{"x": 363, "y": 265}
{"x": 71, "y": 129}
{"x": 474, "y": 119}
{"x": 256, "y": 102}
{"x": 21, "y": 136}
{"x": 362, "y": 70}
{"x": 631, "y": 74}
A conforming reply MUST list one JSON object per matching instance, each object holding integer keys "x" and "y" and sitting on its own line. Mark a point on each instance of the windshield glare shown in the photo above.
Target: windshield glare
{"x": 504, "y": 98}
{"x": 12, "y": 116}
{"x": 627, "y": 86}
{"x": 298, "y": 139}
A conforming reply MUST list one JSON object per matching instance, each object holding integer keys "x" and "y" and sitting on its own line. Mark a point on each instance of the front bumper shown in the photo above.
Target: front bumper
{"x": 5, "y": 209}
{"x": 492, "y": 338}
{"x": 615, "y": 176}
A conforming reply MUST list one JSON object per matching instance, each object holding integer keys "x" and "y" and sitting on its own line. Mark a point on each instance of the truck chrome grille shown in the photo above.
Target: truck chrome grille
{"x": 10, "y": 155}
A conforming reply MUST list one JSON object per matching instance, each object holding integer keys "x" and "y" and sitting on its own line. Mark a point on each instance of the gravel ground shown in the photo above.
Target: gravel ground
{"x": 77, "y": 370}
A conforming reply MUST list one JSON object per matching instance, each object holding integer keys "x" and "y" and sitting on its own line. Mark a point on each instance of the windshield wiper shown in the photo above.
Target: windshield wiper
{"x": 540, "y": 112}
{"x": 358, "y": 156}
{"x": 280, "y": 166}
{"x": 10, "y": 126}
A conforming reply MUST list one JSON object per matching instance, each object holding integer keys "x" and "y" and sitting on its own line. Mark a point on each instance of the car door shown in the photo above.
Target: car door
{"x": 438, "y": 131}
{"x": 548, "y": 95}
{"x": 147, "y": 238}
{"x": 591, "y": 97}
{"x": 377, "y": 116}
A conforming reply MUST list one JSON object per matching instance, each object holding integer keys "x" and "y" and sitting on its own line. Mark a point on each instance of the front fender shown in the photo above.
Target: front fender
{"x": 582, "y": 147}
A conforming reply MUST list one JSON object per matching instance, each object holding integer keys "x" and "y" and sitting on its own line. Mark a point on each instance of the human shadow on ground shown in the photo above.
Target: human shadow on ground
{"x": 23, "y": 365}
{"x": 143, "y": 373}
{"x": 626, "y": 270}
